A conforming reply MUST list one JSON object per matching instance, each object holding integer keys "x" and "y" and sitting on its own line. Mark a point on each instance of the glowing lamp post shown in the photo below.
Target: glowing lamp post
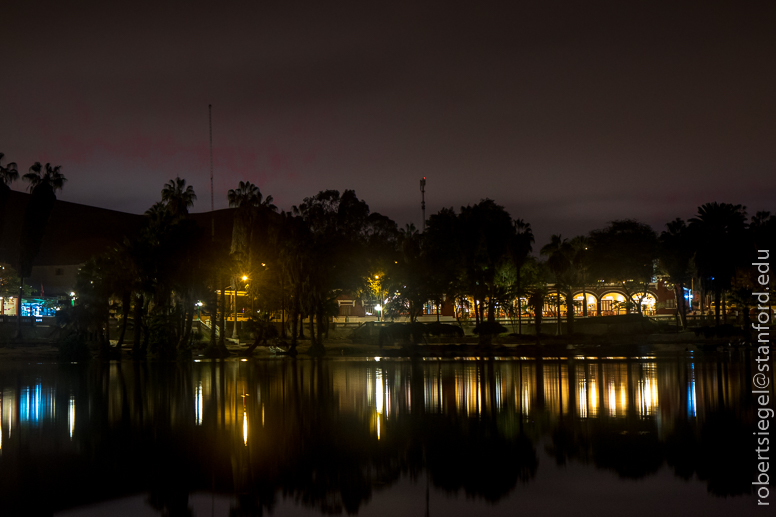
{"x": 235, "y": 335}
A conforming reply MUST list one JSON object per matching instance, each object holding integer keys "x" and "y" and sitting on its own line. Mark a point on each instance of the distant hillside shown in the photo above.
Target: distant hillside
{"x": 76, "y": 232}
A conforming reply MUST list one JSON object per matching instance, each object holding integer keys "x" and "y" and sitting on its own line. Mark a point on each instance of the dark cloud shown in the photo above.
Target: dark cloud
{"x": 568, "y": 113}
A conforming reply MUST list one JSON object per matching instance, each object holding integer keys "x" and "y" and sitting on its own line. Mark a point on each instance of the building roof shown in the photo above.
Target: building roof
{"x": 75, "y": 232}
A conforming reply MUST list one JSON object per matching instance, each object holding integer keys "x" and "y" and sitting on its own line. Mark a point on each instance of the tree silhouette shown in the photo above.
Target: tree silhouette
{"x": 486, "y": 233}
{"x": 624, "y": 253}
{"x": 520, "y": 252}
{"x": 719, "y": 236}
{"x": 8, "y": 174}
{"x": 676, "y": 252}
{"x": 250, "y": 204}
{"x": 178, "y": 197}
{"x": 411, "y": 286}
{"x": 558, "y": 252}
{"x": 43, "y": 181}
{"x": 580, "y": 262}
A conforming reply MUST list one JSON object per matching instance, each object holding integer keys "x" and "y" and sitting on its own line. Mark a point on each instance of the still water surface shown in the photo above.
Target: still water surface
{"x": 611, "y": 436}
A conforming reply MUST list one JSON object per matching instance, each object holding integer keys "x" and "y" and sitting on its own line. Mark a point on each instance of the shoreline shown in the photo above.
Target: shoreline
{"x": 619, "y": 346}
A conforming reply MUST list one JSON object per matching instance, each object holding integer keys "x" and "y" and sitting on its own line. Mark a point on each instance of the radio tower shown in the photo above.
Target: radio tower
{"x": 210, "y": 128}
{"x": 423, "y": 201}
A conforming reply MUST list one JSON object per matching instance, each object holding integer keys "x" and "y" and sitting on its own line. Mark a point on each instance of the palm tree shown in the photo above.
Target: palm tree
{"x": 178, "y": 197}
{"x": 557, "y": 253}
{"x": 45, "y": 177}
{"x": 43, "y": 181}
{"x": 719, "y": 235}
{"x": 536, "y": 303}
{"x": 521, "y": 249}
{"x": 249, "y": 202}
{"x": 580, "y": 261}
{"x": 8, "y": 174}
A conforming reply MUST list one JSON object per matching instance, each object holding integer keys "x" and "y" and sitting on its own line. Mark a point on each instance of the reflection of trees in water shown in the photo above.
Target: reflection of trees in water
{"x": 704, "y": 430}
{"x": 478, "y": 460}
{"x": 720, "y": 454}
{"x": 328, "y": 434}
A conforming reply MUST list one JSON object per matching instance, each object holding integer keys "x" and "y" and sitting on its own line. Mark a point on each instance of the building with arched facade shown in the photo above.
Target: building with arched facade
{"x": 602, "y": 299}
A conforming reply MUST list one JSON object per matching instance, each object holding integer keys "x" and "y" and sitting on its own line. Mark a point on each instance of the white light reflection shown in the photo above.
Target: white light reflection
{"x": 582, "y": 397}
{"x": 10, "y": 395}
{"x": 198, "y": 404}
{"x": 646, "y": 394}
{"x": 499, "y": 388}
{"x": 71, "y": 415}
{"x": 526, "y": 397}
{"x": 379, "y": 391}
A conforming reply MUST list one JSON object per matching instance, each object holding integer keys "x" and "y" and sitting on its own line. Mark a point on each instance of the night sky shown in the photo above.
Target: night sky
{"x": 570, "y": 114}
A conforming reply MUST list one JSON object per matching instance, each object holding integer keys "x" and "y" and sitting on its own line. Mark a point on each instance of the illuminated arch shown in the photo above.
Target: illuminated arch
{"x": 648, "y": 302}
{"x": 592, "y": 302}
{"x": 613, "y": 302}
{"x": 550, "y": 306}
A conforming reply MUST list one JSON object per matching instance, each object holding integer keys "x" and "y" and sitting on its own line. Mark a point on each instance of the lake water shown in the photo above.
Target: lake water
{"x": 572, "y": 436}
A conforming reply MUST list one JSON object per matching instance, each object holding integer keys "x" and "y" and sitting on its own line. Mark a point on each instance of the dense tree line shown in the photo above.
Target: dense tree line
{"x": 293, "y": 265}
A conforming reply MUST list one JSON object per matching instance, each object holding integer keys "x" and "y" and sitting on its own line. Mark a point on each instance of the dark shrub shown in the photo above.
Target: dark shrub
{"x": 161, "y": 340}
{"x": 443, "y": 329}
{"x": 490, "y": 329}
{"x": 72, "y": 348}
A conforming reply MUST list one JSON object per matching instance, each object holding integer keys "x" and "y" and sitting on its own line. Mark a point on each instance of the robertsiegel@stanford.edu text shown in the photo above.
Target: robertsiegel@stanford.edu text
{"x": 762, "y": 379}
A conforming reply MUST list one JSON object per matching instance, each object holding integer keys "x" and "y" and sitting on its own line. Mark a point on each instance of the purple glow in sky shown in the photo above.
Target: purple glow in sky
{"x": 570, "y": 114}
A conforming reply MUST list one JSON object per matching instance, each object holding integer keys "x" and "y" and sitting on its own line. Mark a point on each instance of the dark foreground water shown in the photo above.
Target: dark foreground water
{"x": 572, "y": 436}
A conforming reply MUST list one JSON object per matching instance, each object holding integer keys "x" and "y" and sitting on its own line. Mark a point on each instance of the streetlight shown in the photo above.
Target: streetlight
{"x": 235, "y": 335}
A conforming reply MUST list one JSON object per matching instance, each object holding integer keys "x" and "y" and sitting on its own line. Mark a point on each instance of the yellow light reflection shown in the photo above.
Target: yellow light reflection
{"x": 623, "y": 398}
{"x": 479, "y": 395}
{"x": 379, "y": 392}
{"x": 262, "y": 414}
{"x": 245, "y": 427}
{"x": 525, "y": 396}
{"x": 647, "y": 396}
{"x": 10, "y": 414}
{"x": 582, "y": 397}
{"x": 593, "y": 397}
{"x": 378, "y": 426}
{"x": 612, "y": 402}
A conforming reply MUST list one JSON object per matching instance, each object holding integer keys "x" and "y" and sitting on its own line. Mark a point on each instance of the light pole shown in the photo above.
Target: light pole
{"x": 423, "y": 201}
{"x": 235, "y": 335}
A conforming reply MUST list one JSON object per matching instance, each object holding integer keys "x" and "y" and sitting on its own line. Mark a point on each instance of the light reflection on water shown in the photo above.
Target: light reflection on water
{"x": 285, "y": 425}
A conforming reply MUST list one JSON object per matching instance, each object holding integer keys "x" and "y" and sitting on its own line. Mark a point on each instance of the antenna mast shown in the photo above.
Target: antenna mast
{"x": 210, "y": 128}
{"x": 423, "y": 201}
